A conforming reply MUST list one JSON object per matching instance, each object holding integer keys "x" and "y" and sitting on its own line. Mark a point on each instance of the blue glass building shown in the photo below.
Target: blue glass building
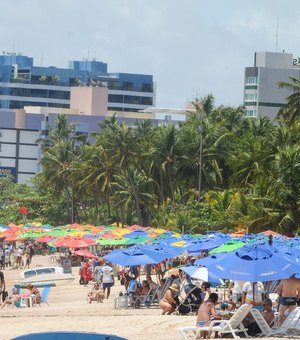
{"x": 23, "y": 84}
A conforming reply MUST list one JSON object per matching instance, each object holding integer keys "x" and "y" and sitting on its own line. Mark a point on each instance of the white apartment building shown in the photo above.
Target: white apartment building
{"x": 262, "y": 96}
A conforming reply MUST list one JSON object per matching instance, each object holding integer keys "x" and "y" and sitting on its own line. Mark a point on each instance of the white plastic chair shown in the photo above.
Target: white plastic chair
{"x": 261, "y": 322}
{"x": 291, "y": 323}
{"x": 234, "y": 325}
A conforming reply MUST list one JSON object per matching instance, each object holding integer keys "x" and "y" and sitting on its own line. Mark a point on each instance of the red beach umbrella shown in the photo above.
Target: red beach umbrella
{"x": 74, "y": 242}
{"x": 44, "y": 239}
{"x": 85, "y": 253}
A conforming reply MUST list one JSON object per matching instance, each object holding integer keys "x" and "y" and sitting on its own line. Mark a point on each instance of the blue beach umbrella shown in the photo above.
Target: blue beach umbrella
{"x": 136, "y": 233}
{"x": 255, "y": 262}
{"x": 135, "y": 256}
{"x": 169, "y": 250}
{"x": 206, "y": 261}
{"x": 195, "y": 248}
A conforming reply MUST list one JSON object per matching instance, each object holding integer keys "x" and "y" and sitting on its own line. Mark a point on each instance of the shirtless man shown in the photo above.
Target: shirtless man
{"x": 288, "y": 290}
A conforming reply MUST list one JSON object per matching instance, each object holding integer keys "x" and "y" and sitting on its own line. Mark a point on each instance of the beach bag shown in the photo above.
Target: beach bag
{"x": 4, "y": 295}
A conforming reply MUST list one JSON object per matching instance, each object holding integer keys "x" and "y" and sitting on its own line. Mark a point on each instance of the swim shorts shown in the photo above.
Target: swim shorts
{"x": 288, "y": 301}
{"x": 107, "y": 285}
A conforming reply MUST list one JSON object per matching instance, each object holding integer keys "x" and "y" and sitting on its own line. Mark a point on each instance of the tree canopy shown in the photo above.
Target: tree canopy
{"x": 249, "y": 170}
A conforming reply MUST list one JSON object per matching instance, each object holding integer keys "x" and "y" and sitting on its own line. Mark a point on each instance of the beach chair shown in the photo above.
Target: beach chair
{"x": 141, "y": 301}
{"x": 45, "y": 294}
{"x": 155, "y": 296}
{"x": 290, "y": 324}
{"x": 124, "y": 301}
{"x": 233, "y": 326}
{"x": 266, "y": 330}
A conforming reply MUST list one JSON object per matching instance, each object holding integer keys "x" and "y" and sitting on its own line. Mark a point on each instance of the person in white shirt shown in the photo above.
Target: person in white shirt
{"x": 19, "y": 257}
{"x": 256, "y": 299}
{"x": 235, "y": 291}
{"x": 108, "y": 279}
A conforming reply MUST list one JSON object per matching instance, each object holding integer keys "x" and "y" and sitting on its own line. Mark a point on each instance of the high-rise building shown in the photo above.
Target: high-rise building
{"x": 262, "y": 96}
{"x": 23, "y": 84}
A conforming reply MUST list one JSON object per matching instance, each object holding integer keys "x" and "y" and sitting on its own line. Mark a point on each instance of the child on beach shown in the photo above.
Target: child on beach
{"x": 96, "y": 294}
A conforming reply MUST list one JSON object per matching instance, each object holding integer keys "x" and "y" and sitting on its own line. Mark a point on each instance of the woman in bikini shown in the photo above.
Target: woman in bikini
{"x": 168, "y": 302}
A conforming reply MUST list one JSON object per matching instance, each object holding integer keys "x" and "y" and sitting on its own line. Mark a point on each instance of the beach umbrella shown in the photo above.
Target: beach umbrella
{"x": 85, "y": 253}
{"x": 208, "y": 260}
{"x": 29, "y": 235}
{"x": 136, "y": 233}
{"x": 255, "y": 262}
{"x": 195, "y": 248}
{"x": 137, "y": 240}
{"x": 227, "y": 247}
{"x": 135, "y": 256}
{"x": 201, "y": 273}
{"x": 270, "y": 232}
{"x": 44, "y": 239}
{"x": 74, "y": 242}
{"x": 112, "y": 242}
{"x": 168, "y": 250}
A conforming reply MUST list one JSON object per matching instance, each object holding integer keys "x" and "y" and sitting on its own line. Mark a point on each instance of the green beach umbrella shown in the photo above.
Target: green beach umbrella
{"x": 228, "y": 247}
{"x": 112, "y": 242}
{"x": 138, "y": 240}
{"x": 29, "y": 235}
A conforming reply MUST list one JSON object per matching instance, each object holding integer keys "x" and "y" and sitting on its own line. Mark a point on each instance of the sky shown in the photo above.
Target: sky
{"x": 191, "y": 47}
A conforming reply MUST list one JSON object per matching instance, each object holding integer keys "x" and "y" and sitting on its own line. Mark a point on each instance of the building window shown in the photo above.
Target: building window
{"x": 251, "y": 113}
{"x": 147, "y": 87}
{"x": 251, "y": 80}
{"x": 127, "y": 85}
{"x": 250, "y": 96}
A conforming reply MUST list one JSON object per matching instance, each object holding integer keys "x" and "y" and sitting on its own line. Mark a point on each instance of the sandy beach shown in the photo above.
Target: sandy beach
{"x": 68, "y": 311}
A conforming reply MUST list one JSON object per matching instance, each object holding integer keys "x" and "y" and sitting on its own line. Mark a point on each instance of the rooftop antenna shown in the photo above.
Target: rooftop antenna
{"x": 42, "y": 59}
{"x": 13, "y": 47}
{"x": 276, "y": 36}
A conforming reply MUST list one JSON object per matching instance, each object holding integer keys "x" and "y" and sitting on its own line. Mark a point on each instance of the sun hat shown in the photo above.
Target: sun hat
{"x": 174, "y": 287}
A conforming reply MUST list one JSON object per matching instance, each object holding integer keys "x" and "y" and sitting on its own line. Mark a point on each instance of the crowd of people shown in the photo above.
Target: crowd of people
{"x": 174, "y": 293}
{"x": 18, "y": 298}
{"x": 16, "y": 257}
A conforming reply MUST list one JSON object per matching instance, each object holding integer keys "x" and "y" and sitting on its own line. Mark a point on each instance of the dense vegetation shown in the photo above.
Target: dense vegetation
{"x": 247, "y": 170}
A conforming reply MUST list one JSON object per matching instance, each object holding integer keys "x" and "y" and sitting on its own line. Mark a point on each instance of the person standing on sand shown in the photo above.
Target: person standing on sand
{"x": 2, "y": 285}
{"x": 289, "y": 292}
{"x": 108, "y": 279}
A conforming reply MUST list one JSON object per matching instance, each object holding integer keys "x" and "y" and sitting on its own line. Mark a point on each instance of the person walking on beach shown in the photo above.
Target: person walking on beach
{"x": 289, "y": 292}
{"x": 108, "y": 279}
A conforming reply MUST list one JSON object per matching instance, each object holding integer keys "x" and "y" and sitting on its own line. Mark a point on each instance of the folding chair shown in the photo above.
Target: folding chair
{"x": 45, "y": 294}
{"x": 142, "y": 300}
{"x": 232, "y": 326}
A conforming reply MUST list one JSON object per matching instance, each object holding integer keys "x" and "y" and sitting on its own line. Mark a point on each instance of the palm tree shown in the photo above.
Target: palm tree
{"x": 286, "y": 189}
{"x": 61, "y": 152}
{"x": 291, "y": 111}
